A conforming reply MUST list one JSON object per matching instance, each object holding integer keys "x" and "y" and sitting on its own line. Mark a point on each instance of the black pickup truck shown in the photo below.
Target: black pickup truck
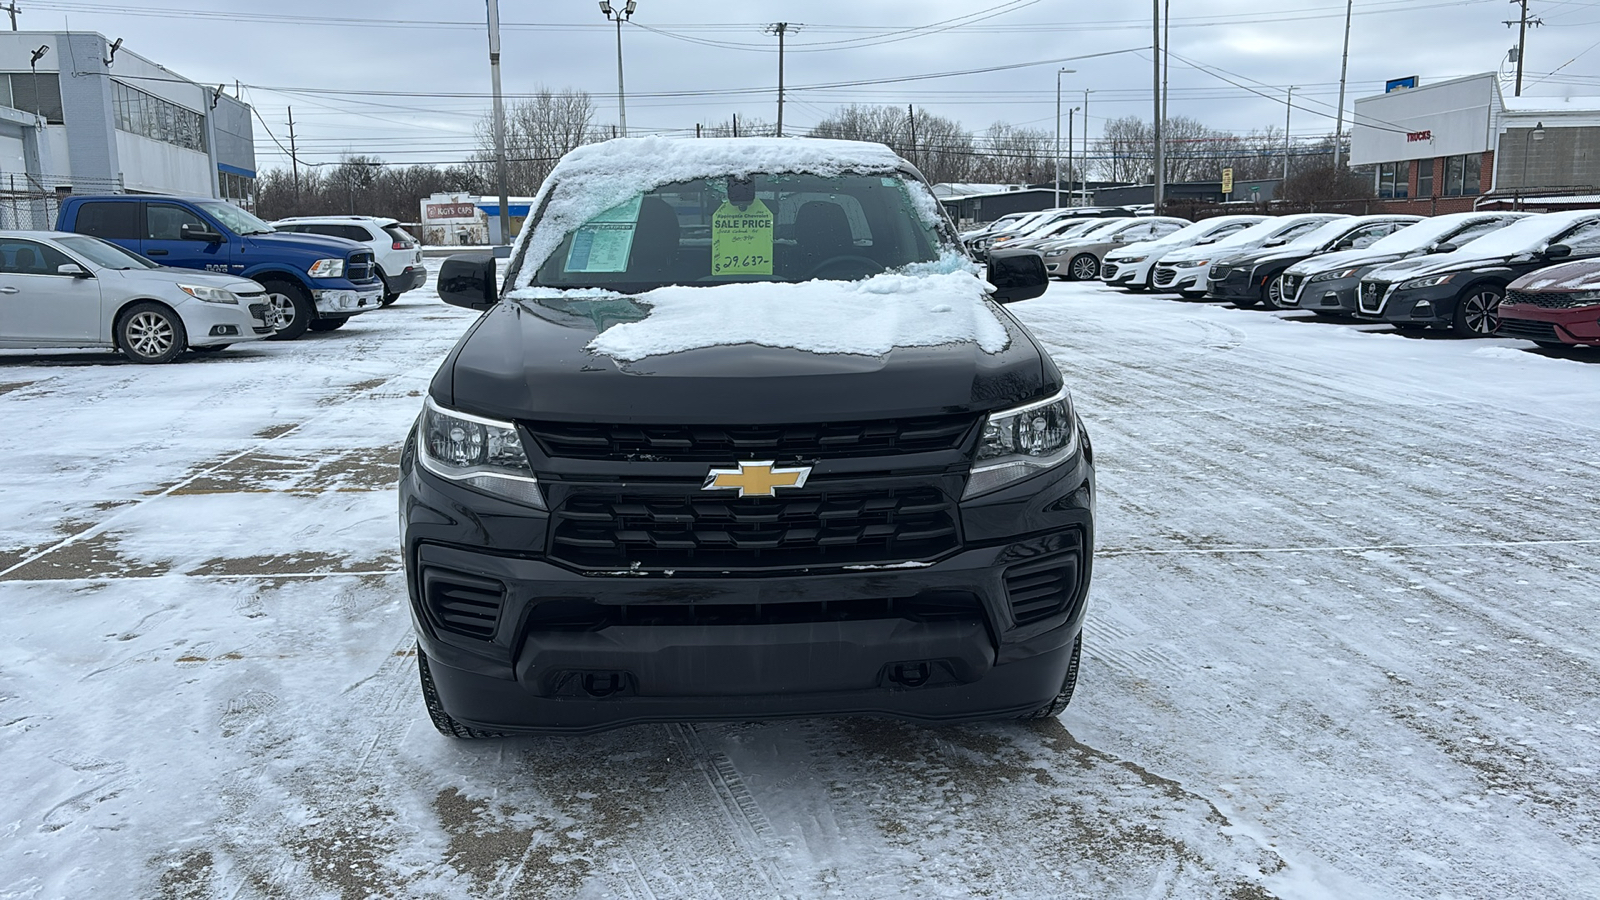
{"x": 742, "y": 433}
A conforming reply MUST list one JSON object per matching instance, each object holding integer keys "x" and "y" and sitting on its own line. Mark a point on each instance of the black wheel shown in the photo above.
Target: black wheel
{"x": 211, "y": 349}
{"x": 1084, "y": 267}
{"x": 1477, "y": 311}
{"x": 1054, "y": 707}
{"x": 330, "y": 324}
{"x": 150, "y": 333}
{"x": 1274, "y": 298}
{"x": 388, "y": 299}
{"x": 292, "y": 303}
{"x": 442, "y": 720}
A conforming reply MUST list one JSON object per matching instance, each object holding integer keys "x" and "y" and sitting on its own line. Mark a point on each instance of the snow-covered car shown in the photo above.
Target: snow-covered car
{"x": 397, "y": 253}
{"x": 1078, "y": 257}
{"x": 1186, "y": 271}
{"x": 1554, "y": 307}
{"x": 1462, "y": 290}
{"x": 741, "y": 434}
{"x": 1254, "y": 276}
{"x": 65, "y": 291}
{"x": 1326, "y": 284}
{"x": 1133, "y": 266}
{"x": 1056, "y": 231}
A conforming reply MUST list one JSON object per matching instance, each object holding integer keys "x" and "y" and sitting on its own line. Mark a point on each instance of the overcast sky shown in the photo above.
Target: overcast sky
{"x": 407, "y": 79}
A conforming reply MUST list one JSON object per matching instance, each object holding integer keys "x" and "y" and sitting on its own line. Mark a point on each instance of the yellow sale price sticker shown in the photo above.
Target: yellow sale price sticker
{"x": 741, "y": 240}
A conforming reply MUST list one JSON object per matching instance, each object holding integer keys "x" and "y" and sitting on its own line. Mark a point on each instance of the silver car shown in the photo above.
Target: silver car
{"x": 1078, "y": 258}
{"x": 62, "y": 290}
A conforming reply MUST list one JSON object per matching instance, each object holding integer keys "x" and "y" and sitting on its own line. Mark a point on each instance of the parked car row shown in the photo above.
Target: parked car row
{"x": 1476, "y": 273}
{"x": 154, "y": 276}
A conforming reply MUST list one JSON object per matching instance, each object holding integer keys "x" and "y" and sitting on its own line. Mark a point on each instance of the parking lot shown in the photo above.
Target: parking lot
{"x": 1342, "y": 643}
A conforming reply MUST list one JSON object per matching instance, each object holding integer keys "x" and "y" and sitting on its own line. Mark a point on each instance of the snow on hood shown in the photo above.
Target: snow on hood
{"x": 1583, "y": 275}
{"x": 596, "y": 177}
{"x": 1247, "y": 239}
{"x": 908, "y": 308}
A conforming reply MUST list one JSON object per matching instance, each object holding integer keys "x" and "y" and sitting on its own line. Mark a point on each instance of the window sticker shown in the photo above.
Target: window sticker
{"x": 603, "y": 243}
{"x": 741, "y": 240}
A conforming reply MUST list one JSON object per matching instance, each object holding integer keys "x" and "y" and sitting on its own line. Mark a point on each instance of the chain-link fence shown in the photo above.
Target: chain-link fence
{"x": 30, "y": 202}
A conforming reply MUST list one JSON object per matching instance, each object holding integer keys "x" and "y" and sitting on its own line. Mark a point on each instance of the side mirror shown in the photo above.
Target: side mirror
{"x": 1557, "y": 251}
{"x": 73, "y": 269}
{"x": 1443, "y": 247}
{"x": 191, "y": 232}
{"x": 467, "y": 280}
{"x": 1017, "y": 275}
{"x": 1119, "y": 239}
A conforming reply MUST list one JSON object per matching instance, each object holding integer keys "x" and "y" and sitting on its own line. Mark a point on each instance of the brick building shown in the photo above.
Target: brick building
{"x": 1461, "y": 144}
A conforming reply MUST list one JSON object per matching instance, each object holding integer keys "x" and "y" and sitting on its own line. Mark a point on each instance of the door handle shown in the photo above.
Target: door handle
{"x": 10, "y": 290}
{"x": 155, "y": 253}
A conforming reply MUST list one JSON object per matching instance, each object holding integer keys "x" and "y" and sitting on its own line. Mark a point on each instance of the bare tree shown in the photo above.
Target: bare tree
{"x": 539, "y": 131}
{"x": 940, "y": 147}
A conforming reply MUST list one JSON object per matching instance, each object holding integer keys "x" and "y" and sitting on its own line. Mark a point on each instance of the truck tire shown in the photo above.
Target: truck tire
{"x": 1054, "y": 707}
{"x": 150, "y": 333}
{"x": 292, "y": 301}
{"x": 442, "y": 720}
{"x": 330, "y": 323}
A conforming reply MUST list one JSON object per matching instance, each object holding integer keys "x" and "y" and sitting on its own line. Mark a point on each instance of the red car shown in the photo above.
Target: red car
{"x": 1554, "y": 307}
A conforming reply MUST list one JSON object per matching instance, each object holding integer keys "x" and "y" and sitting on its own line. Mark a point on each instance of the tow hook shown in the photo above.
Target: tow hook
{"x": 910, "y": 674}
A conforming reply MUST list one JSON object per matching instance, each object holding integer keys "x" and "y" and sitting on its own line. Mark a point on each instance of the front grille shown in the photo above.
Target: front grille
{"x": 1108, "y": 270}
{"x": 359, "y": 267}
{"x": 1218, "y": 273}
{"x": 465, "y": 604}
{"x": 576, "y": 614}
{"x": 259, "y": 311}
{"x": 812, "y": 527}
{"x": 719, "y": 443}
{"x": 1550, "y": 300}
{"x": 1370, "y": 297}
{"x": 1529, "y": 331}
{"x": 1165, "y": 276}
{"x": 1291, "y": 286}
{"x": 1041, "y": 588}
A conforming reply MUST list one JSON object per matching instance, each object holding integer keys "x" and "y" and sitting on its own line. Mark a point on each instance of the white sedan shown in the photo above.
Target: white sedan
{"x": 63, "y": 291}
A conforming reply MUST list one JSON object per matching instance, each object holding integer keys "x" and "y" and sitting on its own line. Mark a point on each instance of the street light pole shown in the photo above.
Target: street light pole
{"x": 1288, "y": 110}
{"x": 1537, "y": 134}
{"x": 1158, "y": 165}
{"x": 1071, "y": 114}
{"x": 618, "y": 16}
{"x": 1059, "y": 73}
{"x": 499, "y": 122}
{"x": 1084, "y": 174}
{"x": 1344, "y": 67}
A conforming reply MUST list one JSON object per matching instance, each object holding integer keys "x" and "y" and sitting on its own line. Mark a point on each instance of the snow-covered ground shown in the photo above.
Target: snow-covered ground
{"x": 1342, "y": 644}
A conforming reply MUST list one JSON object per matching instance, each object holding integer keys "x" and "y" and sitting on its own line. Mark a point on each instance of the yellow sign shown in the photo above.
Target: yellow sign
{"x": 741, "y": 240}
{"x": 755, "y": 479}
{"x": 1227, "y": 181}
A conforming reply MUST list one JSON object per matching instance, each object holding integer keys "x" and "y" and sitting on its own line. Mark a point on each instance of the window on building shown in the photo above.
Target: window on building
{"x": 109, "y": 220}
{"x": 39, "y": 94}
{"x": 1461, "y": 175}
{"x": 237, "y": 188}
{"x": 150, "y": 116}
{"x": 1425, "y": 178}
{"x": 1392, "y": 180}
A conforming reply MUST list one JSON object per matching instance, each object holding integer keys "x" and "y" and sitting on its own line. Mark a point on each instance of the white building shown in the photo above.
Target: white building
{"x": 467, "y": 219}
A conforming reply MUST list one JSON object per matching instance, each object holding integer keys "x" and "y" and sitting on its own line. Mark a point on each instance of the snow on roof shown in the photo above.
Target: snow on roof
{"x": 612, "y": 172}
{"x": 950, "y": 190}
{"x": 1525, "y": 104}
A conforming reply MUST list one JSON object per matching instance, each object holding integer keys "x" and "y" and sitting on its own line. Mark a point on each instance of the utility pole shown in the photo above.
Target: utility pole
{"x": 499, "y": 122}
{"x": 1085, "y": 173}
{"x": 1344, "y": 67}
{"x": 294, "y": 158}
{"x": 13, "y": 10}
{"x": 1522, "y": 37}
{"x": 1071, "y": 114}
{"x": 1288, "y": 109}
{"x": 1059, "y": 73}
{"x": 1155, "y": 98}
{"x": 780, "y": 29}
{"x": 911, "y": 111}
{"x": 618, "y": 15}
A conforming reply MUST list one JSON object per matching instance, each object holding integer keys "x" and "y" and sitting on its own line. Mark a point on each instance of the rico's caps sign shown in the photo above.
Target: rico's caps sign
{"x": 452, "y": 211}
{"x": 1414, "y": 136}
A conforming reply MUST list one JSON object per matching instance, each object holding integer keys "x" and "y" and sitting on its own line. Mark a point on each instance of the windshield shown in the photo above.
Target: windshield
{"x": 769, "y": 227}
{"x": 1320, "y": 235}
{"x": 103, "y": 254}
{"x": 1520, "y": 237}
{"x": 233, "y": 218}
{"x": 1429, "y": 231}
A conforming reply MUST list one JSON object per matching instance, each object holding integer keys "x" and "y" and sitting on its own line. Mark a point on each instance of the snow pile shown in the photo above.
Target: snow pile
{"x": 597, "y": 177}
{"x": 915, "y": 309}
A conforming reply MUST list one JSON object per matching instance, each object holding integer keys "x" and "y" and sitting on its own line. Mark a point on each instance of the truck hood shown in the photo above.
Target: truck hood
{"x": 167, "y": 275}
{"x": 560, "y": 356}
{"x": 281, "y": 241}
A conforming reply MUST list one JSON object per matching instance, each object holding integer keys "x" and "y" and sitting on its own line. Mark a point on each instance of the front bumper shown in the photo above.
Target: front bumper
{"x": 1417, "y": 306}
{"x": 1334, "y": 296}
{"x": 1120, "y": 274}
{"x": 341, "y": 301}
{"x": 1180, "y": 278}
{"x": 210, "y": 324}
{"x": 1579, "y": 326}
{"x": 1235, "y": 284}
{"x": 570, "y": 651}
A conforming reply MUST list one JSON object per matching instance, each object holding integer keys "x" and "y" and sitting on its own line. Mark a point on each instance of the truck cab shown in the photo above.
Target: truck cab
{"x": 313, "y": 282}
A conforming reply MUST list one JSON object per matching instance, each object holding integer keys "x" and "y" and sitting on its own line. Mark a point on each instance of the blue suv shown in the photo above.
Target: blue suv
{"x": 313, "y": 281}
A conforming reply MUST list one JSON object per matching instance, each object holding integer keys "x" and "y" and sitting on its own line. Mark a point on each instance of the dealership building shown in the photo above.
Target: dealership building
{"x": 1462, "y": 144}
{"x": 78, "y": 114}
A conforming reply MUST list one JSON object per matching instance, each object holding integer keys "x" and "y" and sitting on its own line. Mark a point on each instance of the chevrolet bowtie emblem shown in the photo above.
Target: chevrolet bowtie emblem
{"x": 755, "y": 479}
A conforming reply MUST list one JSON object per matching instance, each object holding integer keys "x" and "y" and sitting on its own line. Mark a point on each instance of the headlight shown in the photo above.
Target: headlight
{"x": 1584, "y": 297}
{"x": 1054, "y": 252}
{"x": 1336, "y": 274}
{"x": 209, "y": 294}
{"x": 1188, "y": 263}
{"x": 1131, "y": 259}
{"x": 480, "y": 453}
{"x": 1020, "y": 442}
{"x": 326, "y": 268}
{"x": 1430, "y": 281}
